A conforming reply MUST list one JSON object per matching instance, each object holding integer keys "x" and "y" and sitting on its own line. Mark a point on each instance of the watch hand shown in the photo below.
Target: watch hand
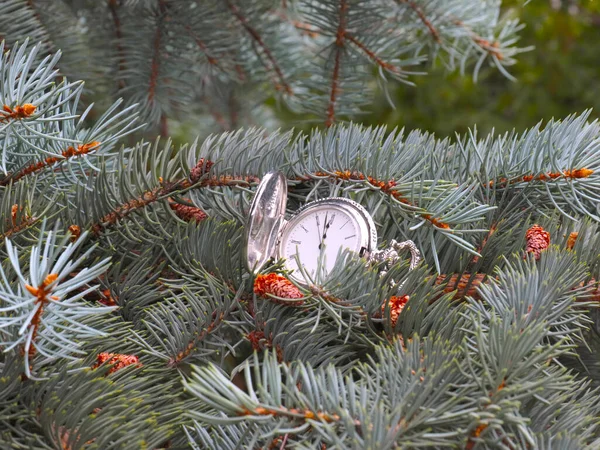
{"x": 327, "y": 225}
{"x": 324, "y": 235}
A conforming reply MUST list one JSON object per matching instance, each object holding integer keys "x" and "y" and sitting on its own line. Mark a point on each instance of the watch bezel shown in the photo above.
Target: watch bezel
{"x": 265, "y": 220}
{"x": 368, "y": 232}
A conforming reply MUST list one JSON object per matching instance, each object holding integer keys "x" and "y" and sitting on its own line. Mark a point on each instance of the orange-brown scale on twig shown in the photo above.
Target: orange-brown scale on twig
{"x": 538, "y": 240}
{"x": 272, "y": 284}
{"x": 41, "y": 293}
{"x": 17, "y": 113}
{"x": 569, "y": 174}
{"x": 38, "y": 166}
{"x": 118, "y": 360}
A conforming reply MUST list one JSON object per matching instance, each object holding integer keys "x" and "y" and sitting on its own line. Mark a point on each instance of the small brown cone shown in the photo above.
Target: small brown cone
{"x": 396, "y": 304}
{"x": 572, "y": 239}
{"x": 118, "y": 360}
{"x": 538, "y": 240}
{"x": 278, "y": 286}
{"x": 200, "y": 169}
{"x": 188, "y": 213}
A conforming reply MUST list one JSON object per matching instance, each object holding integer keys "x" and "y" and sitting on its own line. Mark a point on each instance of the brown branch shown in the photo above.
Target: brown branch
{"x": 200, "y": 43}
{"x": 569, "y": 174}
{"x": 144, "y": 200}
{"x": 163, "y": 125}
{"x": 466, "y": 284}
{"x": 491, "y": 47}
{"x": 372, "y": 55}
{"x": 419, "y": 11}
{"x": 166, "y": 189}
{"x": 46, "y": 39}
{"x": 482, "y": 426}
{"x": 112, "y": 6}
{"x": 186, "y": 212}
{"x": 304, "y": 28}
{"x": 18, "y": 228}
{"x": 335, "y": 77}
{"x": 293, "y": 413}
{"x": 70, "y": 152}
{"x": 155, "y": 68}
{"x": 173, "y": 362}
{"x": 41, "y": 293}
{"x": 14, "y": 223}
{"x": 484, "y": 242}
{"x": 282, "y": 84}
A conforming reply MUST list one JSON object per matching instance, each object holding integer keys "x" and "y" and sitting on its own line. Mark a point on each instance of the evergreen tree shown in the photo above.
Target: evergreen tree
{"x": 211, "y": 64}
{"x": 128, "y": 319}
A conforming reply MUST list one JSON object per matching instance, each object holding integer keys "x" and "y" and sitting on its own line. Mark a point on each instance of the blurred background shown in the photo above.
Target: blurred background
{"x": 149, "y": 55}
{"x": 560, "y": 76}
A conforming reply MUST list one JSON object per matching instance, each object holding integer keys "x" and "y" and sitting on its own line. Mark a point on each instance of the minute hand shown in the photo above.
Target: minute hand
{"x": 327, "y": 225}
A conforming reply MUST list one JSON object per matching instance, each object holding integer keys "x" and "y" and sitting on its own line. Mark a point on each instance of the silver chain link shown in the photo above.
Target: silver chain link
{"x": 390, "y": 256}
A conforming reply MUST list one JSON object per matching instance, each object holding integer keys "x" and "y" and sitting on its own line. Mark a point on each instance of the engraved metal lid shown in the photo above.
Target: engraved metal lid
{"x": 265, "y": 219}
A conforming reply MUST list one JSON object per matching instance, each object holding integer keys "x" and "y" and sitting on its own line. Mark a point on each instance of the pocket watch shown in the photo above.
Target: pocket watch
{"x": 314, "y": 234}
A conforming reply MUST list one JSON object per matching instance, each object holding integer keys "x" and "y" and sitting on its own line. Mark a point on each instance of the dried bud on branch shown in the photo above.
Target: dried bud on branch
{"x": 118, "y": 360}
{"x": 396, "y": 304}
{"x": 16, "y": 113}
{"x": 200, "y": 169}
{"x": 538, "y": 239}
{"x": 278, "y": 286}
{"x": 188, "y": 213}
{"x": 572, "y": 239}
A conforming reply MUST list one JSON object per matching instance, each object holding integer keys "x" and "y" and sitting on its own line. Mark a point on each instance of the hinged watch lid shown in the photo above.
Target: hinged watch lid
{"x": 265, "y": 219}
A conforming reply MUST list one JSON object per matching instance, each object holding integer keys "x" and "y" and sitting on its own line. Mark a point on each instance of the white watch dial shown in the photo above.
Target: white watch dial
{"x": 322, "y": 228}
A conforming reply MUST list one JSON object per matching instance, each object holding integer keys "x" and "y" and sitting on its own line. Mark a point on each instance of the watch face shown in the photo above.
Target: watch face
{"x": 323, "y": 229}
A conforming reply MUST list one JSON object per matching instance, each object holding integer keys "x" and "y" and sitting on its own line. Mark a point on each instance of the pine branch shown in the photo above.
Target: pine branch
{"x": 112, "y": 6}
{"x": 156, "y": 45}
{"x": 419, "y": 12}
{"x": 281, "y": 83}
{"x": 335, "y": 76}
{"x": 70, "y": 152}
{"x": 40, "y": 299}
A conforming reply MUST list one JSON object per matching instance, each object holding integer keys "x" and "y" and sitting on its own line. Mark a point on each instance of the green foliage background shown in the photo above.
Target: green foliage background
{"x": 558, "y": 77}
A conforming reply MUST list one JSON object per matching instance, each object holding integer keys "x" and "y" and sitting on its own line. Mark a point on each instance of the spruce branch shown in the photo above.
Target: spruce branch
{"x": 419, "y": 12}
{"x": 280, "y": 80}
{"x": 113, "y": 7}
{"x": 39, "y": 314}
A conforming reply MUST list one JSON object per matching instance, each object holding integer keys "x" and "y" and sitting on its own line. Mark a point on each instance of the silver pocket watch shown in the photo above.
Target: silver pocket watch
{"x": 319, "y": 229}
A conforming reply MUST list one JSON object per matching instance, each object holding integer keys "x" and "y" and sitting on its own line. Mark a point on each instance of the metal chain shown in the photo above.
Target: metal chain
{"x": 390, "y": 256}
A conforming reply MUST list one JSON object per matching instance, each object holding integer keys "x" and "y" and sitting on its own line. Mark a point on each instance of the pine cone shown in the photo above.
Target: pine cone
{"x": 119, "y": 360}
{"x": 396, "y": 304}
{"x": 202, "y": 168}
{"x": 538, "y": 239}
{"x": 188, "y": 213}
{"x": 278, "y": 286}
